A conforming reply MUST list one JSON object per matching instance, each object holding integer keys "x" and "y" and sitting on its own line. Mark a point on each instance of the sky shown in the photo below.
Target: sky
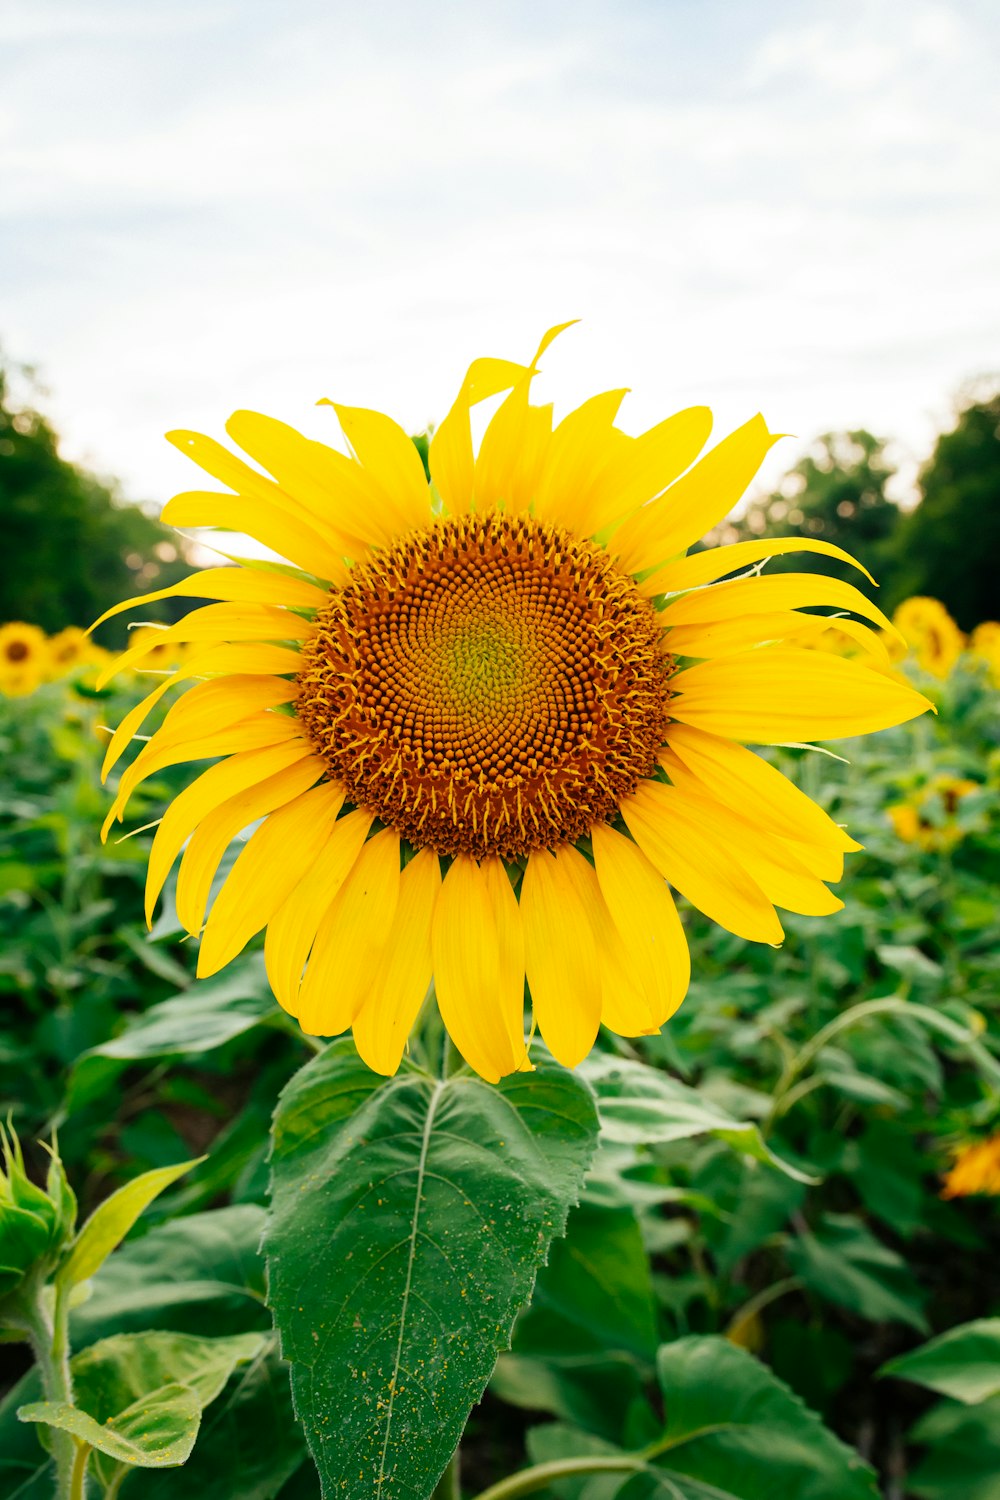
{"x": 789, "y": 205}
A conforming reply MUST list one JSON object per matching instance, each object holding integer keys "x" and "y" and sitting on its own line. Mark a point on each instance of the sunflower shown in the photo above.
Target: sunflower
{"x": 24, "y": 658}
{"x": 929, "y": 818}
{"x": 69, "y": 649}
{"x": 931, "y": 633}
{"x": 984, "y": 643}
{"x": 485, "y": 722}
{"x": 976, "y": 1169}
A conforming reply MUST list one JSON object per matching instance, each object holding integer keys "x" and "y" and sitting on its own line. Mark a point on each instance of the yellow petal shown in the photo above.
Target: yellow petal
{"x": 723, "y": 638}
{"x": 208, "y": 791}
{"x": 269, "y": 523}
{"x": 217, "y": 829}
{"x": 249, "y": 734}
{"x": 560, "y": 958}
{"x": 510, "y": 938}
{"x": 234, "y": 585}
{"x": 741, "y": 779}
{"x": 350, "y": 939}
{"x": 676, "y": 843}
{"x": 465, "y": 941}
{"x": 715, "y": 562}
{"x": 271, "y": 865}
{"x": 582, "y": 448}
{"x": 512, "y": 454}
{"x": 644, "y": 913}
{"x": 403, "y": 973}
{"x": 776, "y": 591}
{"x": 696, "y": 503}
{"x": 217, "y": 622}
{"x": 781, "y": 694}
{"x": 390, "y": 459}
{"x": 625, "y": 1005}
{"x": 653, "y": 460}
{"x": 451, "y": 459}
{"x": 330, "y": 486}
{"x": 291, "y": 932}
{"x": 783, "y": 877}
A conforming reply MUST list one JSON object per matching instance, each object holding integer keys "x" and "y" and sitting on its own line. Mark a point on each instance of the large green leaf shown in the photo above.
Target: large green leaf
{"x": 732, "y": 1431}
{"x": 962, "y": 1457}
{"x": 963, "y": 1363}
{"x": 641, "y": 1106}
{"x": 844, "y": 1263}
{"x": 408, "y": 1220}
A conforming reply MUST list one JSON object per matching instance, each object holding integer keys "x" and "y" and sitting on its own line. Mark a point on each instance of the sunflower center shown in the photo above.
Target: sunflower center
{"x": 487, "y": 686}
{"x": 17, "y": 650}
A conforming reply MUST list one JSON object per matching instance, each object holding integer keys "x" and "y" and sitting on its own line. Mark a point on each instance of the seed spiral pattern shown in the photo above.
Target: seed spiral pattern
{"x": 489, "y": 685}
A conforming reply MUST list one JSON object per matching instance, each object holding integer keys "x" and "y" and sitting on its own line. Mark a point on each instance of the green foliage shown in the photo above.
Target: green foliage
{"x": 949, "y": 546}
{"x": 416, "y": 1212}
{"x": 963, "y": 1363}
{"x": 70, "y": 543}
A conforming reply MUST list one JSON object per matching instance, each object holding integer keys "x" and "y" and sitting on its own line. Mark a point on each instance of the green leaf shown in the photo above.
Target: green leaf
{"x": 845, "y": 1264}
{"x": 732, "y": 1431}
{"x": 639, "y": 1106}
{"x": 157, "y": 1431}
{"x": 111, "y": 1221}
{"x": 963, "y": 1363}
{"x": 962, "y": 1461}
{"x": 199, "y": 1273}
{"x": 409, "y": 1217}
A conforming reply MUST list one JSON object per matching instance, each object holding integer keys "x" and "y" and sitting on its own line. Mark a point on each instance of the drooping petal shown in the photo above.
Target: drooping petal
{"x": 716, "y": 562}
{"x": 510, "y": 938}
{"x": 350, "y": 939}
{"x": 292, "y": 929}
{"x": 741, "y": 779}
{"x": 560, "y": 958}
{"x": 273, "y": 862}
{"x": 217, "y": 622}
{"x": 465, "y": 939}
{"x": 403, "y": 973}
{"x": 625, "y": 1005}
{"x": 675, "y": 841}
{"x": 236, "y": 774}
{"x": 784, "y": 878}
{"x": 644, "y": 913}
{"x": 696, "y": 503}
{"x": 781, "y": 694}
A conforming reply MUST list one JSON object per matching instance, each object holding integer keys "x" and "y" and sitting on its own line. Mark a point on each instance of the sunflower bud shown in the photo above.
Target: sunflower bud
{"x": 35, "y": 1222}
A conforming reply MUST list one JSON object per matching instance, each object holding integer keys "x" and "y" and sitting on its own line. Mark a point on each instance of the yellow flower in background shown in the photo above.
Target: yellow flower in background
{"x": 928, "y": 818}
{"x": 24, "y": 658}
{"x": 154, "y": 649}
{"x": 931, "y": 633}
{"x": 984, "y": 642}
{"x": 976, "y": 1169}
{"x": 463, "y": 726}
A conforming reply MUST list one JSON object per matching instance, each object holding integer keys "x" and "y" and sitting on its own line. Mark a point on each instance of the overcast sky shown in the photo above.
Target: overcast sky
{"x": 785, "y": 205}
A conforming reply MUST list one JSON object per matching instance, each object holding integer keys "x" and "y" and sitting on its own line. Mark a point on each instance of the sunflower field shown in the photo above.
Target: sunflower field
{"x": 748, "y": 1253}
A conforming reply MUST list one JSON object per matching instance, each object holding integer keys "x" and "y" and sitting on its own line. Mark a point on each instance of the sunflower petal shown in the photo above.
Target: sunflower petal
{"x": 270, "y": 866}
{"x": 350, "y": 939}
{"x": 644, "y": 913}
{"x": 269, "y": 523}
{"x": 510, "y": 938}
{"x": 217, "y": 622}
{"x": 697, "y": 502}
{"x": 716, "y": 562}
{"x": 467, "y": 974}
{"x": 654, "y": 460}
{"x": 776, "y": 591}
{"x": 781, "y": 694}
{"x": 675, "y": 842}
{"x": 292, "y": 929}
{"x": 233, "y": 585}
{"x": 625, "y": 1005}
{"x": 583, "y": 447}
{"x": 390, "y": 459}
{"x": 560, "y": 958}
{"x": 403, "y": 973}
{"x": 451, "y": 458}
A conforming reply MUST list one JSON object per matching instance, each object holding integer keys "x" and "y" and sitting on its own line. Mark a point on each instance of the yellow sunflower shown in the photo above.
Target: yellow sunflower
{"x": 976, "y": 1169}
{"x": 931, "y": 633}
{"x": 488, "y": 721}
{"x": 69, "y": 649}
{"x": 929, "y": 817}
{"x": 24, "y": 658}
{"x": 984, "y": 642}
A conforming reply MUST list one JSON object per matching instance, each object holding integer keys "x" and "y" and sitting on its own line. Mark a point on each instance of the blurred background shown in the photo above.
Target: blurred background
{"x": 784, "y": 207}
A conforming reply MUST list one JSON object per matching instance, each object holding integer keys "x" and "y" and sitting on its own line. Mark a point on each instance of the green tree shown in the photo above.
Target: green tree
{"x": 835, "y": 493}
{"x": 949, "y": 546}
{"x": 71, "y": 546}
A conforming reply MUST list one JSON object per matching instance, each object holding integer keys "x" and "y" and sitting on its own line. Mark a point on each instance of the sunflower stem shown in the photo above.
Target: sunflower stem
{"x": 530, "y": 1481}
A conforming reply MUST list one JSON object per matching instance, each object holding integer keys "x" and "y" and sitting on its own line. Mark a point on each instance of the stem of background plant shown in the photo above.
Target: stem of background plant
{"x": 449, "y": 1485}
{"x": 78, "y": 1478}
{"x": 530, "y": 1481}
{"x": 48, "y": 1333}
